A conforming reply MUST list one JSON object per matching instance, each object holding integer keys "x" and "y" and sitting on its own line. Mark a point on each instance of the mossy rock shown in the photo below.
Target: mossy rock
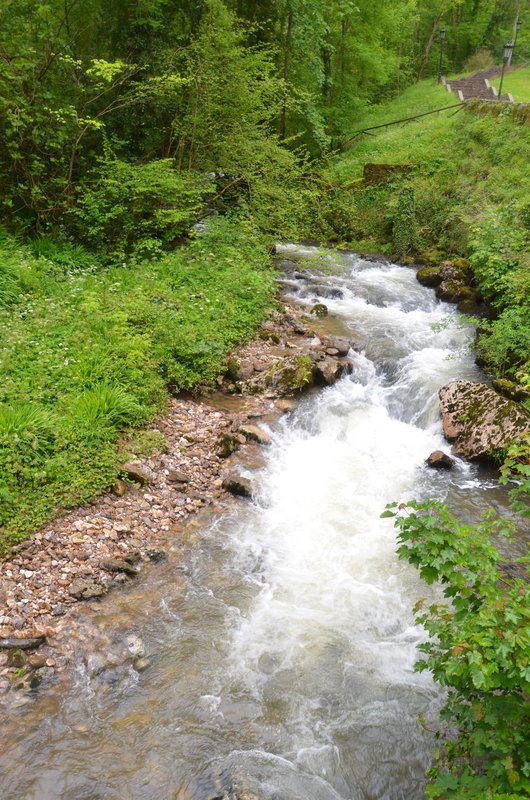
{"x": 511, "y": 390}
{"x": 455, "y": 292}
{"x": 429, "y": 276}
{"x": 292, "y": 375}
{"x": 470, "y": 306}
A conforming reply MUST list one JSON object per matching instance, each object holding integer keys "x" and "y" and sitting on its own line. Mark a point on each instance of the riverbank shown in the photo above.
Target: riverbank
{"x": 210, "y": 444}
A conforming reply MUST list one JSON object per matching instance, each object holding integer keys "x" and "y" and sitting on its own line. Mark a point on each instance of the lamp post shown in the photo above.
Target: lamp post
{"x": 517, "y": 26}
{"x": 506, "y": 55}
{"x": 443, "y": 31}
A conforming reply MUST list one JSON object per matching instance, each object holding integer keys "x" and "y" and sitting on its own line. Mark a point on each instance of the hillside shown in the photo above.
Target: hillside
{"x": 464, "y": 197}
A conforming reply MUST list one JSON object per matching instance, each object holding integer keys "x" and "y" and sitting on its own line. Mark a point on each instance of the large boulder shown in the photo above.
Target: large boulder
{"x": 478, "y": 421}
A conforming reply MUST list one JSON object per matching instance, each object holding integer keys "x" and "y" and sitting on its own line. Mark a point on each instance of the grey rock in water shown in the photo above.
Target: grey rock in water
{"x": 319, "y": 310}
{"x": 342, "y": 346}
{"x": 255, "y": 433}
{"x": 156, "y": 555}
{"x": 237, "y": 485}
{"x": 227, "y": 444}
{"x": 135, "y": 646}
{"x": 87, "y": 590}
{"x": 478, "y": 421}
{"x": 329, "y": 370}
{"x": 284, "y": 405}
{"x": 137, "y": 471}
{"x": 118, "y": 565}
{"x": 440, "y": 460}
{"x": 30, "y": 643}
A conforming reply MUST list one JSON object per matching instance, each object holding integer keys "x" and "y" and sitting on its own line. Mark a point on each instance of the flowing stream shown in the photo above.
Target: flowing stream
{"x": 282, "y": 640}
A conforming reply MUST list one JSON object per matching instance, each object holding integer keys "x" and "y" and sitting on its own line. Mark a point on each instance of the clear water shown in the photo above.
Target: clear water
{"x": 281, "y": 639}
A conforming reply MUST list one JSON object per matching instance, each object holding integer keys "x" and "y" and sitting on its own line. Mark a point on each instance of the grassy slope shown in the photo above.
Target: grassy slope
{"x": 87, "y": 352}
{"x": 517, "y": 84}
{"x": 461, "y": 164}
{"x": 470, "y": 174}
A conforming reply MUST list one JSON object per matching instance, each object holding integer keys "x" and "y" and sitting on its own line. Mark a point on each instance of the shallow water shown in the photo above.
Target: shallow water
{"x": 281, "y": 639}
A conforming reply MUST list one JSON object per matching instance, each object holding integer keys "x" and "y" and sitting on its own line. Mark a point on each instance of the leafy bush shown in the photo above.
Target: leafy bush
{"x": 478, "y": 648}
{"x": 497, "y": 247}
{"x": 482, "y": 59}
{"x": 505, "y": 343}
{"x": 137, "y": 209}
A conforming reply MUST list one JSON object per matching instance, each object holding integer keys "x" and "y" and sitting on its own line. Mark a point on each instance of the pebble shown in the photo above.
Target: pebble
{"x": 40, "y": 577}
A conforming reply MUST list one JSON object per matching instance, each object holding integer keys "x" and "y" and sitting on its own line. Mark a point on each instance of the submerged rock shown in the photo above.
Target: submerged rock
{"x": 30, "y": 643}
{"x": 319, "y": 310}
{"x": 118, "y": 565}
{"x": 478, "y": 421}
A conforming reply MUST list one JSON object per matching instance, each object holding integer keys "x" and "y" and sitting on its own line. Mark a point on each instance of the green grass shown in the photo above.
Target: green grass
{"x": 460, "y": 164}
{"x": 88, "y": 352}
{"x": 469, "y": 177}
{"x": 516, "y": 83}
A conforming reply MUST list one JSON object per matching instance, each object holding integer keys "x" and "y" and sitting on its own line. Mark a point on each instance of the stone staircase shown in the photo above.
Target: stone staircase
{"x": 477, "y": 85}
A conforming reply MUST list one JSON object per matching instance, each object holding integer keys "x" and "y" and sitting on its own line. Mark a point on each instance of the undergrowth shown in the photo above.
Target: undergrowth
{"x": 89, "y": 352}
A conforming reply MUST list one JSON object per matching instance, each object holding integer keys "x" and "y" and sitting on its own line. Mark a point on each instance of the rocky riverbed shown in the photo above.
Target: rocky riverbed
{"x": 208, "y": 442}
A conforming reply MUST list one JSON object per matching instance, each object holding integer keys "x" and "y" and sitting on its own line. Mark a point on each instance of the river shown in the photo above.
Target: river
{"x": 282, "y": 642}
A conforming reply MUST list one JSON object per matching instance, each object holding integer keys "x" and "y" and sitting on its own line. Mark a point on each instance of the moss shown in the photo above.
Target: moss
{"x": 429, "y": 276}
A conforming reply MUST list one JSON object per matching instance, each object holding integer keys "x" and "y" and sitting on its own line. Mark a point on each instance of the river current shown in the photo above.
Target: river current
{"x": 282, "y": 644}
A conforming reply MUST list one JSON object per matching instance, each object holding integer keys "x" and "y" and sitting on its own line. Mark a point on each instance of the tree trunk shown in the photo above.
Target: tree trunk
{"x": 428, "y": 47}
{"x": 286, "y": 67}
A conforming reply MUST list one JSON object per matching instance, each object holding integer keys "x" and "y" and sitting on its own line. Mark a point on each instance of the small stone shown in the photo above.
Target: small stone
{"x": 16, "y": 658}
{"x": 119, "y": 488}
{"x": 226, "y": 445}
{"x": 135, "y": 646}
{"x": 157, "y": 555}
{"x": 175, "y": 476}
{"x": 27, "y": 643}
{"x": 83, "y": 590}
{"x": 36, "y": 661}
{"x": 136, "y": 471}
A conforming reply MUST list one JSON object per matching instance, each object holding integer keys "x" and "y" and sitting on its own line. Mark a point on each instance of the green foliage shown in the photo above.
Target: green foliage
{"x": 404, "y": 233}
{"x": 87, "y": 353}
{"x": 498, "y": 256}
{"x": 137, "y": 210}
{"x": 478, "y": 648}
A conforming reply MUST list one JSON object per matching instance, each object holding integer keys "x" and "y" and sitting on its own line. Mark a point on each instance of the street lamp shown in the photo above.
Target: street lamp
{"x": 517, "y": 26}
{"x": 443, "y": 31}
{"x": 507, "y": 54}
